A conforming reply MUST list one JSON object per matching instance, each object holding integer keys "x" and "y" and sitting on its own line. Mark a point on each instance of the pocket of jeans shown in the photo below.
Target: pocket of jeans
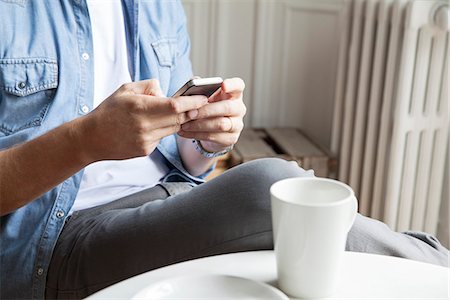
{"x": 27, "y": 87}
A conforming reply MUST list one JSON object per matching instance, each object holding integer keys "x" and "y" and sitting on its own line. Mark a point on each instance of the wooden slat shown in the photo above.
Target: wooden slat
{"x": 330, "y": 161}
{"x": 293, "y": 143}
{"x": 251, "y": 146}
{"x": 285, "y": 143}
{"x": 282, "y": 156}
{"x": 318, "y": 164}
{"x": 301, "y": 148}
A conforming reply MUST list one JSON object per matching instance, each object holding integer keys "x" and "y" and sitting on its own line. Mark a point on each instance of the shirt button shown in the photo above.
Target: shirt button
{"x": 85, "y": 56}
{"x": 85, "y": 109}
{"x": 59, "y": 214}
{"x": 40, "y": 271}
{"x": 21, "y": 85}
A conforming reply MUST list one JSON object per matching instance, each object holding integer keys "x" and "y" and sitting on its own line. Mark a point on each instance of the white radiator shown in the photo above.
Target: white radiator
{"x": 391, "y": 120}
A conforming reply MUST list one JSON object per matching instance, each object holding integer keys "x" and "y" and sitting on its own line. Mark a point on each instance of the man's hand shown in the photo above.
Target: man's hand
{"x": 218, "y": 125}
{"x": 128, "y": 124}
{"x": 131, "y": 122}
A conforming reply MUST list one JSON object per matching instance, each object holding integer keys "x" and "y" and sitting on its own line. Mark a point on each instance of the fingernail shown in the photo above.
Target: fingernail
{"x": 192, "y": 114}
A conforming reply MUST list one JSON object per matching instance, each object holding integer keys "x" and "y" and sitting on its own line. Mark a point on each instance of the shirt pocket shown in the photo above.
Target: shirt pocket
{"x": 27, "y": 87}
{"x": 166, "y": 52}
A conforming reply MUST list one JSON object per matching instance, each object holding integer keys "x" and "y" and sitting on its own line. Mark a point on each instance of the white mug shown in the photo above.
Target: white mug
{"x": 311, "y": 218}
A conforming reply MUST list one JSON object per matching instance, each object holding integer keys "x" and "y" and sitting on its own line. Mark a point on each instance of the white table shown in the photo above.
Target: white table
{"x": 364, "y": 276}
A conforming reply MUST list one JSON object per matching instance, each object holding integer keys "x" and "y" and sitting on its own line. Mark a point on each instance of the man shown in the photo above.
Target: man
{"x": 100, "y": 172}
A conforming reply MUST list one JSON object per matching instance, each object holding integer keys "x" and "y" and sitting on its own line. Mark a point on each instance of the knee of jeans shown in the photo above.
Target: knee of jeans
{"x": 258, "y": 175}
{"x": 275, "y": 169}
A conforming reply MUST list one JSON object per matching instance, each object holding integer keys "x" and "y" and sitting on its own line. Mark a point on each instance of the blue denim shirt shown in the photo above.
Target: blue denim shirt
{"x": 46, "y": 79}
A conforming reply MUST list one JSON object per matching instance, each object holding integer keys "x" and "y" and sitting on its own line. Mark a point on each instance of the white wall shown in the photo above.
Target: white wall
{"x": 285, "y": 50}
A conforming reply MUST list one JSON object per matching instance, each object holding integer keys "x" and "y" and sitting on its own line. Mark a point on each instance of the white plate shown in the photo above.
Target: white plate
{"x": 210, "y": 287}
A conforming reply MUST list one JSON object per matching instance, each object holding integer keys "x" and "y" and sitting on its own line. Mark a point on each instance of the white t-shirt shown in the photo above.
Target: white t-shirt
{"x": 106, "y": 181}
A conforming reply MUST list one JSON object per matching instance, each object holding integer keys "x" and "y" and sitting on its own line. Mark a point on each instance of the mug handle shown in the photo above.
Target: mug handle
{"x": 354, "y": 210}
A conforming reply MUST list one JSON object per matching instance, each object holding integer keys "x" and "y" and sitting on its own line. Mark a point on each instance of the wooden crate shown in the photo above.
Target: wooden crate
{"x": 222, "y": 165}
{"x": 287, "y": 143}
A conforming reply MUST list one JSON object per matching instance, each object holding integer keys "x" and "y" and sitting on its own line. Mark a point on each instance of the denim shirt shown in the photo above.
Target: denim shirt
{"x": 46, "y": 79}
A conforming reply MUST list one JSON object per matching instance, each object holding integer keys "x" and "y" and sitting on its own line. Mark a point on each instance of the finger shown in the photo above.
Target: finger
{"x": 220, "y": 124}
{"x": 157, "y": 105}
{"x": 221, "y": 138}
{"x": 145, "y": 87}
{"x": 218, "y": 95}
{"x": 231, "y": 88}
{"x": 187, "y": 103}
{"x": 161, "y": 121}
{"x": 220, "y": 109}
{"x": 233, "y": 85}
{"x": 159, "y": 133}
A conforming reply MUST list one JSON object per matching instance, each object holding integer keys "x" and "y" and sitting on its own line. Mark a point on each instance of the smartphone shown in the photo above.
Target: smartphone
{"x": 200, "y": 86}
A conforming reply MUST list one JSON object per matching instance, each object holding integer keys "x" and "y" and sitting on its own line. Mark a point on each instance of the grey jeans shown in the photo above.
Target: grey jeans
{"x": 174, "y": 222}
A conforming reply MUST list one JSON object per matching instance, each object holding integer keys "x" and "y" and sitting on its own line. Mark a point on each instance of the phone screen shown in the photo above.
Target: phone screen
{"x": 205, "y": 90}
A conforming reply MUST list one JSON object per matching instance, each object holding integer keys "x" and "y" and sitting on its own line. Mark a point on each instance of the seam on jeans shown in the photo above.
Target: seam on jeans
{"x": 182, "y": 259}
{"x": 232, "y": 240}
